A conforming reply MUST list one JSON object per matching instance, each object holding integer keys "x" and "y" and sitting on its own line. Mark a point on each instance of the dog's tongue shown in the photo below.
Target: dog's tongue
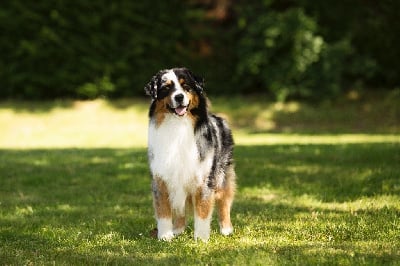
{"x": 181, "y": 110}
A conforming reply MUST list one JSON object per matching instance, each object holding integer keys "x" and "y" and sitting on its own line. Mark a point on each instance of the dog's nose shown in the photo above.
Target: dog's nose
{"x": 179, "y": 98}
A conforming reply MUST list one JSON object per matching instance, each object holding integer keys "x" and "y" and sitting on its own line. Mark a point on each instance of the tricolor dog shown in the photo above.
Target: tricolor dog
{"x": 190, "y": 156}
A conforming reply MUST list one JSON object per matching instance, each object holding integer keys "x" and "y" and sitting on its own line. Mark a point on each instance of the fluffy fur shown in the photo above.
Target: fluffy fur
{"x": 190, "y": 156}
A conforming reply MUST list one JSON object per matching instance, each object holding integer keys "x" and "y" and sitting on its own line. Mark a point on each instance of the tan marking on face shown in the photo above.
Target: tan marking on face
{"x": 194, "y": 103}
{"x": 181, "y": 81}
{"x": 160, "y": 110}
{"x": 203, "y": 206}
{"x": 168, "y": 82}
{"x": 161, "y": 202}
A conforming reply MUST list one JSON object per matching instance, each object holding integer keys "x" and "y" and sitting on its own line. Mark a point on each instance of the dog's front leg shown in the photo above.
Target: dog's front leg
{"x": 203, "y": 208}
{"x": 163, "y": 211}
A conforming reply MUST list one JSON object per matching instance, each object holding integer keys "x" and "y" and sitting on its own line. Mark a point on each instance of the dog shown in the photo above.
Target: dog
{"x": 190, "y": 154}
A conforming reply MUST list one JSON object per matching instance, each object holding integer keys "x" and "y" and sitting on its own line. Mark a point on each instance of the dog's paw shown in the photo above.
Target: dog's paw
{"x": 202, "y": 233}
{"x": 164, "y": 229}
{"x": 202, "y": 237}
{"x": 202, "y": 228}
{"x": 166, "y": 236}
{"x": 227, "y": 231}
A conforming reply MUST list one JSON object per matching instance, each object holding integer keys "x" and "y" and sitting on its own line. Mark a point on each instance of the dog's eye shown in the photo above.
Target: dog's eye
{"x": 163, "y": 92}
{"x": 186, "y": 87}
{"x": 165, "y": 87}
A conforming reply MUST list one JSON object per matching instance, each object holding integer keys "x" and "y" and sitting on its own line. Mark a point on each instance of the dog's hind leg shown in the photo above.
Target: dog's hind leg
{"x": 224, "y": 199}
{"x": 163, "y": 211}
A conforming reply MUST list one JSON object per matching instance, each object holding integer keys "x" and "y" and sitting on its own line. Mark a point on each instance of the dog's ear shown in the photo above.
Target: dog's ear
{"x": 151, "y": 87}
{"x": 198, "y": 82}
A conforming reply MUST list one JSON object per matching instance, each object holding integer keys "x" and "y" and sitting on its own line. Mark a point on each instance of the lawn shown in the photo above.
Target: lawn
{"x": 75, "y": 186}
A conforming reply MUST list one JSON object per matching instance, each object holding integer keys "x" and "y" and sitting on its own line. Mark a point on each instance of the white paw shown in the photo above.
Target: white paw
{"x": 227, "y": 231}
{"x": 164, "y": 227}
{"x": 203, "y": 236}
{"x": 202, "y": 229}
{"x": 166, "y": 236}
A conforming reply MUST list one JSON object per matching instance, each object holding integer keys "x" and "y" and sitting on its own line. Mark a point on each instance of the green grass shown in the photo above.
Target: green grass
{"x": 75, "y": 189}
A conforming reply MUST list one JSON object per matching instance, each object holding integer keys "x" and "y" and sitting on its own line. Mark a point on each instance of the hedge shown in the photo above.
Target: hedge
{"x": 88, "y": 49}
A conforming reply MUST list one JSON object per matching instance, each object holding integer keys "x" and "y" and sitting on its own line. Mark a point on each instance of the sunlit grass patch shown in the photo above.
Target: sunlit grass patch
{"x": 89, "y": 124}
{"x": 277, "y": 139}
{"x": 123, "y": 124}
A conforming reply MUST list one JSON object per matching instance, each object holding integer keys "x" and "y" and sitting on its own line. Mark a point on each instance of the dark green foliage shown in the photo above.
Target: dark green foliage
{"x": 370, "y": 27}
{"x": 76, "y": 48}
{"x": 279, "y": 50}
{"x": 300, "y": 48}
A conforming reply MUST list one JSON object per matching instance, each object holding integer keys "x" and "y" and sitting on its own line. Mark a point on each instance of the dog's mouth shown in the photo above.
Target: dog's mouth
{"x": 181, "y": 110}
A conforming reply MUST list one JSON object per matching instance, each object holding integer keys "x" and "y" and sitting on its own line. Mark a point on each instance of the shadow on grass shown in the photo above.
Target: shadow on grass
{"x": 327, "y": 172}
{"x": 66, "y": 187}
{"x": 80, "y": 205}
{"x": 257, "y": 114}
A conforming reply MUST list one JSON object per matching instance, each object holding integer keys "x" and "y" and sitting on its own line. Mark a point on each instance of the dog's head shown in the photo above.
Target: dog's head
{"x": 175, "y": 90}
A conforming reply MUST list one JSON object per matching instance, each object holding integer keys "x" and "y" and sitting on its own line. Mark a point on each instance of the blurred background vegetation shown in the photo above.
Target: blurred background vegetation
{"x": 301, "y": 49}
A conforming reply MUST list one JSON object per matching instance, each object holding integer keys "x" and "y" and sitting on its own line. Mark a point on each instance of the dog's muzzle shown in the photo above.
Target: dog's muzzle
{"x": 180, "y": 104}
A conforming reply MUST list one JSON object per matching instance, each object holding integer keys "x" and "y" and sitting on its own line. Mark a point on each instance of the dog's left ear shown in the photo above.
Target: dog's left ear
{"x": 198, "y": 82}
{"x": 151, "y": 87}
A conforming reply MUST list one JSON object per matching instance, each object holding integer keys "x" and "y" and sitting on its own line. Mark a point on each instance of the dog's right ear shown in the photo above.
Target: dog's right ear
{"x": 155, "y": 83}
{"x": 151, "y": 87}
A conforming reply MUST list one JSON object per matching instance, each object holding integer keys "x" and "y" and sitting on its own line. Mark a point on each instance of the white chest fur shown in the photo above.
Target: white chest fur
{"x": 174, "y": 158}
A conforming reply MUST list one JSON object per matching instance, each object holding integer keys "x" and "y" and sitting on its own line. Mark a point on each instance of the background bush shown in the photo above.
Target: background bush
{"x": 77, "y": 48}
{"x": 306, "y": 49}
{"x": 278, "y": 52}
